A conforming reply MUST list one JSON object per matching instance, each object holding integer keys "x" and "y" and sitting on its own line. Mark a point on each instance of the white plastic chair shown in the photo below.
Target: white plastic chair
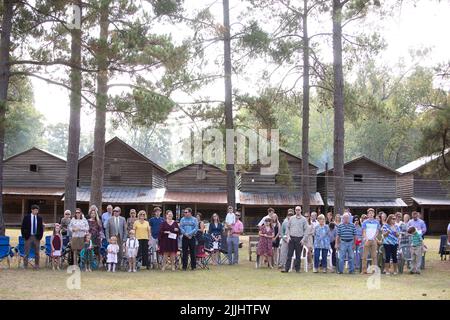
{"x": 303, "y": 259}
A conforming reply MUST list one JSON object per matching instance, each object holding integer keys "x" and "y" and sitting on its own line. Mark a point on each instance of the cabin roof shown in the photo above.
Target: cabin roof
{"x": 124, "y": 194}
{"x": 371, "y": 202}
{"x": 38, "y": 149}
{"x": 419, "y": 163}
{"x": 359, "y": 159}
{"x": 126, "y": 145}
{"x": 30, "y": 191}
{"x": 429, "y": 201}
{"x": 194, "y": 164}
{"x": 278, "y": 198}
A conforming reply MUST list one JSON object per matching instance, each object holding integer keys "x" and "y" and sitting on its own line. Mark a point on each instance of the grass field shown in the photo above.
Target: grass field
{"x": 226, "y": 282}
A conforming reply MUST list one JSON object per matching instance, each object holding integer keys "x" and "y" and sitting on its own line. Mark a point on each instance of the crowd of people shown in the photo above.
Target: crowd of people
{"x": 371, "y": 238}
{"x": 130, "y": 239}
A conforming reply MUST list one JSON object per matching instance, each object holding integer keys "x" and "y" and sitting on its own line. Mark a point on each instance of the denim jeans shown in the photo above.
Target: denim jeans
{"x": 233, "y": 249}
{"x": 317, "y": 252}
{"x": 346, "y": 250}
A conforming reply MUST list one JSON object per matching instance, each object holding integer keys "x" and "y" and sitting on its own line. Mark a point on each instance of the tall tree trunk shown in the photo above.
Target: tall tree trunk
{"x": 98, "y": 161}
{"x": 5, "y": 47}
{"x": 231, "y": 194}
{"x": 73, "y": 148}
{"x": 339, "y": 185}
{"x": 305, "y": 124}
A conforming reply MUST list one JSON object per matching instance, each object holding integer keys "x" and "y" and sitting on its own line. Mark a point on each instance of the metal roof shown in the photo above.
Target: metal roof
{"x": 375, "y": 203}
{"x": 195, "y": 197}
{"x": 26, "y": 191}
{"x": 278, "y": 199}
{"x": 124, "y": 194}
{"x": 418, "y": 163}
{"x": 432, "y": 201}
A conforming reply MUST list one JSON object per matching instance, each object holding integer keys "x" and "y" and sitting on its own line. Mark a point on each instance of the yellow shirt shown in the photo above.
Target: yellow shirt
{"x": 141, "y": 229}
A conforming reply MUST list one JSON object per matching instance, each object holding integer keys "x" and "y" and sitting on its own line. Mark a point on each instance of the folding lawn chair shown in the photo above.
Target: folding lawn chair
{"x": 21, "y": 253}
{"x": 5, "y": 250}
{"x": 303, "y": 259}
{"x": 48, "y": 251}
{"x": 202, "y": 257}
{"x": 444, "y": 248}
{"x": 223, "y": 250}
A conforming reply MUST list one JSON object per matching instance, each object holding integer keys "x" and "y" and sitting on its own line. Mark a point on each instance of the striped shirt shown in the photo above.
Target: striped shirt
{"x": 392, "y": 237}
{"x": 416, "y": 239}
{"x": 346, "y": 231}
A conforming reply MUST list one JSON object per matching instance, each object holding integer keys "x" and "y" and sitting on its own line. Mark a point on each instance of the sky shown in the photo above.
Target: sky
{"x": 423, "y": 25}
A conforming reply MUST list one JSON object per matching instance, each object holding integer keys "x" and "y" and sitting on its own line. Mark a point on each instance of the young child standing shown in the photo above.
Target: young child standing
{"x": 131, "y": 250}
{"x": 416, "y": 250}
{"x": 87, "y": 253}
{"x": 56, "y": 244}
{"x": 112, "y": 250}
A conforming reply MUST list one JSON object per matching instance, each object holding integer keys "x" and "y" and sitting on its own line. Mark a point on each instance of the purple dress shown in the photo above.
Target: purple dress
{"x": 95, "y": 231}
{"x": 265, "y": 244}
{"x": 167, "y": 245}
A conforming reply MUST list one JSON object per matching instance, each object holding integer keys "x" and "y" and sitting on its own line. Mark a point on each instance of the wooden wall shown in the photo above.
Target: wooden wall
{"x": 158, "y": 178}
{"x": 405, "y": 188}
{"x": 51, "y": 170}
{"x": 378, "y": 182}
{"x": 187, "y": 179}
{"x": 252, "y": 181}
{"x": 427, "y": 185}
{"x": 134, "y": 170}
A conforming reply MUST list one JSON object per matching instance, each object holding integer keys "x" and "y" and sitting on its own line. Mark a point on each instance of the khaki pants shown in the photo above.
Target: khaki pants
{"x": 370, "y": 246}
{"x": 32, "y": 240}
{"x": 416, "y": 258}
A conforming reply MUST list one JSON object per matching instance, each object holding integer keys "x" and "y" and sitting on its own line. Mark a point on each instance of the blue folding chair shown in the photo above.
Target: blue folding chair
{"x": 21, "y": 252}
{"x": 5, "y": 250}
{"x": 48, "y": 250}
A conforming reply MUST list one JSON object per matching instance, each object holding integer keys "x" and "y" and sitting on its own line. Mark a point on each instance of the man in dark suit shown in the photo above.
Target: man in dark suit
{"x": 32, "y": 232}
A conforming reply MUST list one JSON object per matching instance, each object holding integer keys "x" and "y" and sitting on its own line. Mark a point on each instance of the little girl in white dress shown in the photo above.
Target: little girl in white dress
{"x": 131, "y": 250}
{"x": 112, "y": 251}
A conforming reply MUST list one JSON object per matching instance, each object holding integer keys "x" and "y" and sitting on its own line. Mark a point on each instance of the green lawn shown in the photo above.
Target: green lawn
{"x": 226, "y": 282}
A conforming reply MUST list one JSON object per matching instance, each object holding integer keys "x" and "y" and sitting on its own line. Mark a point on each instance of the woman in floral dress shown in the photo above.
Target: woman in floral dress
{"x": 96, "y": 231}
{"x": 266, "y": 235}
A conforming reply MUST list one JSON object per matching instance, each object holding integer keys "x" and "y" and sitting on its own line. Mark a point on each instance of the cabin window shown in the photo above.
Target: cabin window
{"x": 33, "y": 168}
{"x": 115, "y": 170}
{"x": 201, "y": 174}
{"x": 358, "y": 177}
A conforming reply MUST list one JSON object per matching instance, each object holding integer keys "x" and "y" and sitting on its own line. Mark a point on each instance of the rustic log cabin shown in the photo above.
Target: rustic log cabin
{"x": 368, "y": 184}
{"x": 424, "y": 186}
{"x": 281, "y": 191}
{"x": 131, "y": 180}
{"x": 200, "y": 186}
{"x": 34, "y": 176}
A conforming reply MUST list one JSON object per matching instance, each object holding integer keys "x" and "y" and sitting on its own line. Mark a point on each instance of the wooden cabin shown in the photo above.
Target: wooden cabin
{"x": 130, "y": 180}
{"x": 280, "y": 191}
{"x": 34, "y": 176}
{"x": 368, "y": 184}
{"x": 425, "y": 187}
{"x": 202, "y": 187}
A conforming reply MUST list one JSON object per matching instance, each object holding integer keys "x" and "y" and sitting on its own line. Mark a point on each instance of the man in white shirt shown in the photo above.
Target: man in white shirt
{"x": 270, "y": 213}
{"x": 314, "y": 221}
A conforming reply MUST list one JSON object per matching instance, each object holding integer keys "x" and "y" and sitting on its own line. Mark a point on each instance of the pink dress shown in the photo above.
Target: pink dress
{"x": 265, "y": 244}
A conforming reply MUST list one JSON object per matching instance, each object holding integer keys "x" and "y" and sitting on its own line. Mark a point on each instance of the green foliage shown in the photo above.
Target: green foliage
{"x": 166, "y": 7}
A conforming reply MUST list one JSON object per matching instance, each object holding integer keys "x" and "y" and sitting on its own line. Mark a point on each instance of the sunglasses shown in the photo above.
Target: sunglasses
{"x": 78, "y": 212}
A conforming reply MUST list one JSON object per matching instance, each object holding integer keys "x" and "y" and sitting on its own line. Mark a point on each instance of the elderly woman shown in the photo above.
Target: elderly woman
{"x": 78, "y": 227}
{"x": 321, "y": 243}
{"x": 96, "y": 230}
{"x": 65, "y": 223}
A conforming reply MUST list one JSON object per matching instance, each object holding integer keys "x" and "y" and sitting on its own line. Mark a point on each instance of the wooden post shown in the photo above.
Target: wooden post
{"x": 243, "y": 215}
{"x": 55, "y": 209}
{"x": 23, "y": 208}
{"x": 326, "y": 188}
{"x": 195, "y": 209}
